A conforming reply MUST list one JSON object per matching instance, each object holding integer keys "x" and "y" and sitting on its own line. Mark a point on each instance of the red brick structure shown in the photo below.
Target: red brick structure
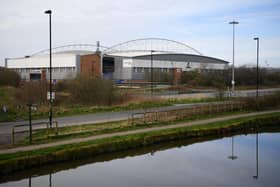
{"x": 177, "y": 72}
{"x": 91, "y": 65}
{"x": 43, "y": 75}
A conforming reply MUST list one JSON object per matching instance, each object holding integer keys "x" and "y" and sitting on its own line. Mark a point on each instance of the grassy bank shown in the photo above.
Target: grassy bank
{"x": 70, "y": 132}
{"x": 24, "y": 160}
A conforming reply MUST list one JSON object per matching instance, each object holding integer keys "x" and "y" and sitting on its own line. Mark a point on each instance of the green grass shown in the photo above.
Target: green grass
{"x": 64, "y": 133}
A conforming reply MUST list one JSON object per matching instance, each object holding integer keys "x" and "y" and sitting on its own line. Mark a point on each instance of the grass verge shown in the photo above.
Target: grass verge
{"x": 42, "y": 136}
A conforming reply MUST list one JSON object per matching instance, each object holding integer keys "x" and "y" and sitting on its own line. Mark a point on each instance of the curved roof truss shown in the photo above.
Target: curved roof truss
{"x": 152, "y": 44}
{"x": 71, "y": 47}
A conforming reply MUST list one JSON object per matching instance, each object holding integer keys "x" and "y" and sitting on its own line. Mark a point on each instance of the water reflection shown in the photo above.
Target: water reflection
{"x": 30, "y": 181}
{"x": 257, "y": 157}
{"x": 183, "y": 163}
{"x": 232, "y": 156}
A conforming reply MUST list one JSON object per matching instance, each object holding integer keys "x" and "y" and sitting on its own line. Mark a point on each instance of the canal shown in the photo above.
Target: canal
{"x": 240, "y": 160}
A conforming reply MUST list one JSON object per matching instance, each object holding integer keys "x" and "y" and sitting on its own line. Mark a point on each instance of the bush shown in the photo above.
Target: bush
{"x": 264, "y": 102}
{"x": 91, "y": 90}
{"x": 9, "y": 78}
{"x": 34, "y": 92}
{"x": 195, "y": 78}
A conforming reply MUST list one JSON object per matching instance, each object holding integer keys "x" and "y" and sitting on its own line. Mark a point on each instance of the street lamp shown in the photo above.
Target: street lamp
{"x": 233, "y": 40}
{"x": 152, "y": 78}
{"x": 257, "y": 91}
{"x": 49, "y": 12}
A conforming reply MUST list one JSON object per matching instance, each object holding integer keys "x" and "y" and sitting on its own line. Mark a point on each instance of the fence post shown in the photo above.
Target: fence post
{"x": 13, "y": 136}
{"x": 47, "y": 129}
{"x": 56, "y": 128}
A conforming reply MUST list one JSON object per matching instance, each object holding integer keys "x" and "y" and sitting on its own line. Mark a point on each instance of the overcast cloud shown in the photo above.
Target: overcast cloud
{"x": 202, "y": 24}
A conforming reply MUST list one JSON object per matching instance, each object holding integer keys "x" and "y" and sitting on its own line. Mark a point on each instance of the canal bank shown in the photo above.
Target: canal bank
{"x": 20, "y": 160}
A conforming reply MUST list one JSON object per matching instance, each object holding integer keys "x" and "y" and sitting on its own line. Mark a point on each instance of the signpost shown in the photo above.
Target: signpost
{"x": 49, "y": 96}
{"x": 30, "y": 108}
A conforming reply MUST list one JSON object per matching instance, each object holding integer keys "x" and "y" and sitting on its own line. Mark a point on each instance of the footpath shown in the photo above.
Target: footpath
{"x": 149, "y": 129}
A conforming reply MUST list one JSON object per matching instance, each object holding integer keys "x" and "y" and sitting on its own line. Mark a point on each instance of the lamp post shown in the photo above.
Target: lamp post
{"x": 49, "y": 12}
{"x": 233, "y": 23}
{"x": 152, "y": 72}
{"x": 257, "y": 90}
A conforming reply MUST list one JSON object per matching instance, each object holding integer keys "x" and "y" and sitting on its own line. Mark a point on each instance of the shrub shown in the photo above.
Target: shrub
{"x": 264, "y": 102}
{"x": 34, "y": 92}
{"x": 91, "y": 90}
{"x": 9, "y": 78}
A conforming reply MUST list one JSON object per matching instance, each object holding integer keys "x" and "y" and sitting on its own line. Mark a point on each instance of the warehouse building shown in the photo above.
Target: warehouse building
{"x": 131, "y": 61}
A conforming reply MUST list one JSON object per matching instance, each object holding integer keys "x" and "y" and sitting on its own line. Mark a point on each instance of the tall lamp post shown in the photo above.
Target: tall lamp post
{"x": 233, "y": 23}
{"x": 152, "y": 72}
{"x": 49, "y": 12}
{"x": 257, "y": 90}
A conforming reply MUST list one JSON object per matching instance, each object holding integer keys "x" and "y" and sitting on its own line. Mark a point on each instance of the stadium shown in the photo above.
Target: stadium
{"x": 132, "y": 61}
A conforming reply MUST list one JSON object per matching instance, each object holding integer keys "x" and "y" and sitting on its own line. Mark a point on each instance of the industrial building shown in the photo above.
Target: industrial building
{"x": 131, "y": 61}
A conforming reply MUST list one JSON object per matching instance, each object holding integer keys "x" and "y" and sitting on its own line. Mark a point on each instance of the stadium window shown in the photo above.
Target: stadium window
{"x": 134, "y": 69}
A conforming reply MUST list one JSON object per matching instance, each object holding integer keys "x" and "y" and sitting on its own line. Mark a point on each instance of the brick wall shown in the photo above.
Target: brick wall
{"x": 91, "y": 65}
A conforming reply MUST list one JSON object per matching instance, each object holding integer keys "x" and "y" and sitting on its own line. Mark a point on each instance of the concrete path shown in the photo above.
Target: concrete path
{"x": 78, "y": 140}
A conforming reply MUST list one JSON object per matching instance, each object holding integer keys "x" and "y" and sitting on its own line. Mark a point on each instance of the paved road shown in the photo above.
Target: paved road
{"x": 95, "y": 137}
{"x": 6, "y": 127}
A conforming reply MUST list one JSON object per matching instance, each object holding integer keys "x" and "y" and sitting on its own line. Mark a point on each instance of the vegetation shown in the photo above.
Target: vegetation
{"x": 263, "y": 102}
{"x": 23, "y": 160}
{"x": 206, "y": 79}
{"x": 64, "y": 105}
{"x": 244, "y": 76}
{"x": 9, "y": 78}
{"x": 32, "y": 92}
{"x": 93, "y": 91}
{"x": 247, "y": 76}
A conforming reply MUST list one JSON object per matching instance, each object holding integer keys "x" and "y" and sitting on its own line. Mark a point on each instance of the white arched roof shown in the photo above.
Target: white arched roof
{"x": 147, "y": 45}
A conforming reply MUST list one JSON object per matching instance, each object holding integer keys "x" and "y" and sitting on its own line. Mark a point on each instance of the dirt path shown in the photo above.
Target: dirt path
{"x": 95, "y": 137}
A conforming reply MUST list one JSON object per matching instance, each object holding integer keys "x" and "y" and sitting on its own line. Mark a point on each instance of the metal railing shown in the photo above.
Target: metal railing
{"x": 172, "y": 115}
{"x": 15, "y": 127}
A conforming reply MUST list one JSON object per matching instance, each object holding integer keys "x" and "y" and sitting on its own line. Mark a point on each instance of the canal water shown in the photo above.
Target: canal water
{"x": 243, "y": 160}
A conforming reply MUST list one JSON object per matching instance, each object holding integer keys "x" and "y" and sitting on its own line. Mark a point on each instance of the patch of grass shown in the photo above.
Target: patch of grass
{"x": 70, "y": 132}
